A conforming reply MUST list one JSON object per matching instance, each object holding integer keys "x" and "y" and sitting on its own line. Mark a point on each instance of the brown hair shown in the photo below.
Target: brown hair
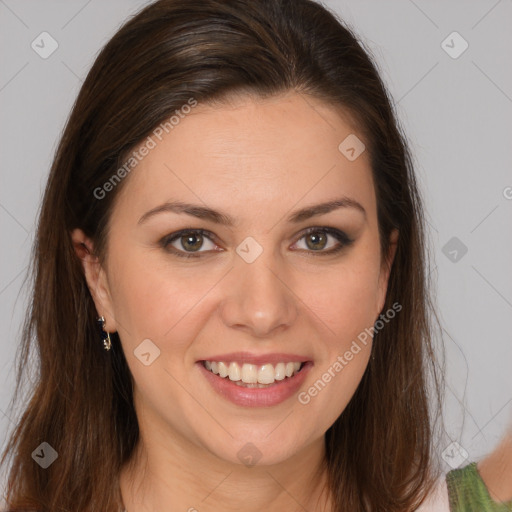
{"x": 380, "y": 449}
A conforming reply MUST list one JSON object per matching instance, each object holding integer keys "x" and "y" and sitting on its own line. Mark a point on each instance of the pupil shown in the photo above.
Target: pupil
{"x": 188, "y": 241}
{"x": 189, "y": 238}
{"x": 318, "y": 237}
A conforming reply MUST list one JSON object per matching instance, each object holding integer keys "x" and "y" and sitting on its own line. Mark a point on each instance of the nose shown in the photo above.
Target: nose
{"x": 258, "y": 299}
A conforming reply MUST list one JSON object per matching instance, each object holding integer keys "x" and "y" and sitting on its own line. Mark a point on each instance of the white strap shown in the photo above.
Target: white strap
{"x": 437, "y": 501}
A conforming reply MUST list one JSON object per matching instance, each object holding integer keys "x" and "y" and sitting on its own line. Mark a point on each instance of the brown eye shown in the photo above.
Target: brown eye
{"x": 186, "y": 242}
{"x": 317, "y": 240}
{"x": 192, "y": 241}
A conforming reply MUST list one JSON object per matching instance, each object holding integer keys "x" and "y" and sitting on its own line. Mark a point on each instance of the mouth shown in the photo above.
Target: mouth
{"x": 255, "y": 375}
{"x": 257, "y": 383}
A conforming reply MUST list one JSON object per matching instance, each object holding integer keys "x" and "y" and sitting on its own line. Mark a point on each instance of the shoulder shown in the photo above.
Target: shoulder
{"x": 467, "y": 492}
{"x": 438, "y": 500}
{"x": 462, "y": 490}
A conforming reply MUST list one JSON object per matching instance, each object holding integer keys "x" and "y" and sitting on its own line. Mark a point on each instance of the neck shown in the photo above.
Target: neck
{"x": 175, "y": 473}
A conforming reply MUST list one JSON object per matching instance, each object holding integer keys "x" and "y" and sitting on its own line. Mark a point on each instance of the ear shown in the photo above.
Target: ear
{"x": 96, "y": 278}
{"x": 386, "y": 270}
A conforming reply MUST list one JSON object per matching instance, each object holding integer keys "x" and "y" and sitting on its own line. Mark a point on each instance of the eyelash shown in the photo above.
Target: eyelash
{"x": 342, "y": 237}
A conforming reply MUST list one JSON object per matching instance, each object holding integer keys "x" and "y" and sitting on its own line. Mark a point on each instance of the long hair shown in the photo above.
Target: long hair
{"x": 379, "y": 451}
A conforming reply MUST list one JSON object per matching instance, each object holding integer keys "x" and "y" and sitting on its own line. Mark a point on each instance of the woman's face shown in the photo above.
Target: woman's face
{"x": 258, "y": 289}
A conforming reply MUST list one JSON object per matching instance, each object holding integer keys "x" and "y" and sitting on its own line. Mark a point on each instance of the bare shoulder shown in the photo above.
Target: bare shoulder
{"x": 437, "y": 500}
{"x": 496, "y": 470}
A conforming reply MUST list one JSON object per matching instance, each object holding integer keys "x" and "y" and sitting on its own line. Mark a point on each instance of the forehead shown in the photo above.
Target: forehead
{"x": 251, "y": 154}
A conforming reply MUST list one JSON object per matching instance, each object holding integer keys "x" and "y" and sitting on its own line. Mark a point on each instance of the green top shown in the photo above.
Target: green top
{"x": 467, "y": 492}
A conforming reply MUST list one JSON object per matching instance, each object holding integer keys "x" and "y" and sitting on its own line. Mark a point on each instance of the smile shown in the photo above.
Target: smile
{"x": 255, "y": 385}
{"x": 251, "y": 375}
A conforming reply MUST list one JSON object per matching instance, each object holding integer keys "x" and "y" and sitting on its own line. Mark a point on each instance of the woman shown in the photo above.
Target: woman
{"x": 233, "y": 204}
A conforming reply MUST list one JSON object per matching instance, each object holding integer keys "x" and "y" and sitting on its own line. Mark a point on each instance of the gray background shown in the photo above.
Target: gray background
{"x": 455, "y": 111}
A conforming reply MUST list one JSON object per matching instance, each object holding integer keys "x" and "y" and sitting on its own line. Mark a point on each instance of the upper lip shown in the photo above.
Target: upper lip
{"x": 257, "y": 359}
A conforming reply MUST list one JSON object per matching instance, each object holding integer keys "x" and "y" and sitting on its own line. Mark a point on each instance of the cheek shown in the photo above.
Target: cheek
{"x": 344, "y": 299}
{"x": 155, "y": 301}
{"x": 346, "y": 313}
{"x": 159, "y": 300}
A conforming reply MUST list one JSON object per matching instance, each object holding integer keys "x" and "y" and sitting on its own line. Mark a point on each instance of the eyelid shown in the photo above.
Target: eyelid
{"x": 168, "y": 239}
{"x": 339, "y": 234}
{"x": 343, "y": 240}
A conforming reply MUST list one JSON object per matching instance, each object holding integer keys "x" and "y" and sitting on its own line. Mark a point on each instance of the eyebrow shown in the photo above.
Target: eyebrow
{"x": 223, "y": 219}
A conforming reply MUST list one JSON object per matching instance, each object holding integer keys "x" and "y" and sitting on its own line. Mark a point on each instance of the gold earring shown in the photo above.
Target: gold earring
{"x": 107, "y": 343}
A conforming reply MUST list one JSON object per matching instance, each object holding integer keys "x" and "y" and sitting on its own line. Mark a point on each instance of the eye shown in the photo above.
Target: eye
{"x": 186, "y": 242}
{"x": 317, "y": 240}
{"x": 190, "y": 240}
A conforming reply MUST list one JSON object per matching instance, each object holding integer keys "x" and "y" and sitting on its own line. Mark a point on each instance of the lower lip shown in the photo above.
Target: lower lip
{"x": 256, "y": 397}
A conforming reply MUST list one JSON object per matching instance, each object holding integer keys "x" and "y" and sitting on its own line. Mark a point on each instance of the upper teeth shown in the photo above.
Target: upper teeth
{"x": 251, "y": 373}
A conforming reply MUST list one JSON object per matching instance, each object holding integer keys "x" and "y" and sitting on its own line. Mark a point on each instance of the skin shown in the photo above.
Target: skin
{"x": 258, "y": 161}
{"x": 496, "y": 470}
